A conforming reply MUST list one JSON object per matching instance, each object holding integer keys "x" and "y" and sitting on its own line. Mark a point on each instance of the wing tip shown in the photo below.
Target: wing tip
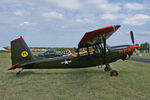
{"x": 117, "y": 26}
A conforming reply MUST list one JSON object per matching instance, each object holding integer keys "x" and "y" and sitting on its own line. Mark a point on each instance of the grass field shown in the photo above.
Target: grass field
{"x": 133, "y": 83}
{"x": 144, "y": 55}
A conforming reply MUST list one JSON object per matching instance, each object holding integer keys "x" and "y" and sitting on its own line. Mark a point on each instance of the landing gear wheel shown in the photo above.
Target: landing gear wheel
{"x": 106, "y": 69}
{"x": 114, "y": 73}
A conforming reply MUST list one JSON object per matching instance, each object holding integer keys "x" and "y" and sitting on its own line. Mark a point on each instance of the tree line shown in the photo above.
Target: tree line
{"x": 144, "y": 46}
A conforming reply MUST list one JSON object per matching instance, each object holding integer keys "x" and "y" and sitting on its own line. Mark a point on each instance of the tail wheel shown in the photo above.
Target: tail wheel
{"x": 114, "y": 73}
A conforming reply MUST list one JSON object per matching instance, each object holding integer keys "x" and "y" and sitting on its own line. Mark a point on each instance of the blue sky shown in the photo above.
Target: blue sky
{"x": 62, "y": 23}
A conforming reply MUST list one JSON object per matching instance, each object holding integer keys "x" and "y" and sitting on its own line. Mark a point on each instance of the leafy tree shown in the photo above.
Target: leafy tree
{"x": 145, "y": 46}
{"x": 137, "y": 44}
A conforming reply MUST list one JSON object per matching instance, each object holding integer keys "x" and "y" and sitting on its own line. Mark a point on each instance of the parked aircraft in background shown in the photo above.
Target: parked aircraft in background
{"x": 3, "y": 49}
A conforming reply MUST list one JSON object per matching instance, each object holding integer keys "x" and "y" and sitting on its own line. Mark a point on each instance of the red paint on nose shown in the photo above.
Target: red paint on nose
{"x": 133, "y": 47}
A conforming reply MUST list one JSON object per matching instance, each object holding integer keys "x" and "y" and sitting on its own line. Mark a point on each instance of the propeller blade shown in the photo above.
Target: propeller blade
{"x": 132, "y": 36}
{"x": 135, "y": 46}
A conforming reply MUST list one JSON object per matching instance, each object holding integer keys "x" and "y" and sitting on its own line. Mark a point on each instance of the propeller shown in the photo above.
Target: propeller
{"x": 135, "y": 46}
{"x": 132, "y": 37}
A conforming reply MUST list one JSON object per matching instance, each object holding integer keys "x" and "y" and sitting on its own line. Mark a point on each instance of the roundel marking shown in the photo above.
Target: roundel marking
{"x": 24, "y": 53}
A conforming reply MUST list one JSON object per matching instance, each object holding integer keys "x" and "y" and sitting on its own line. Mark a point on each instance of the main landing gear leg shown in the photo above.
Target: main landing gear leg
{"x": 18, "y": 73}
{"x": 107, "y": 68}
{"x": 113, "y": 72}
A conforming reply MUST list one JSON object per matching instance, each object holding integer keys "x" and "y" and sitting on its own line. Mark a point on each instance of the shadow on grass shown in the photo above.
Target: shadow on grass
{"x": 70, "y": 72}
{"x": 25, "y": 73}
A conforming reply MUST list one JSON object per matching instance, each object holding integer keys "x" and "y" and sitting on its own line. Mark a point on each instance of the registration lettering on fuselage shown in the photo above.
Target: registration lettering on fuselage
{"x": 125, "y": 50}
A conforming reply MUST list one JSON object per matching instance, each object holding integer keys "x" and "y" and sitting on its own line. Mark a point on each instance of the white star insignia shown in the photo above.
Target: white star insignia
{"x": 66, "y": 62}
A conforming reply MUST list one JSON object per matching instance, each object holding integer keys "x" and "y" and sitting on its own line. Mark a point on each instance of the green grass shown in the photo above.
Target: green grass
{"x": 133, "y": 83}
{"x": 144, "y": 55}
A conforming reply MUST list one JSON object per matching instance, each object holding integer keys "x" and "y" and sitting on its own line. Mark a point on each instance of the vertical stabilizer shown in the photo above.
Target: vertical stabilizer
{"x": 20, "y": 52}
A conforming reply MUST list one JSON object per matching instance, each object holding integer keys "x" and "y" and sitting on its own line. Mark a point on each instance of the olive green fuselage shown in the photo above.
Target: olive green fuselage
{"x": 85, "y": 61}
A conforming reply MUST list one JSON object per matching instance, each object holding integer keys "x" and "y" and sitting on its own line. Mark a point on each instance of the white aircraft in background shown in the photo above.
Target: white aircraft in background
{"x": 3, "y": 49}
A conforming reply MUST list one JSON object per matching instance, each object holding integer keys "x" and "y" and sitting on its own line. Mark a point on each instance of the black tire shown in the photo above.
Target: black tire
{"x": 114, "y": 73}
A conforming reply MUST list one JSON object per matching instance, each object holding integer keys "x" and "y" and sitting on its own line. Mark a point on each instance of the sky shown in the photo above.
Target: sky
{"x": 63, "y": 23}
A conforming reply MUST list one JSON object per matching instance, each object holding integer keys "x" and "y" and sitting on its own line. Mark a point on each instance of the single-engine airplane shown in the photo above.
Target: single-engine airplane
{"x": 22, "y": 57}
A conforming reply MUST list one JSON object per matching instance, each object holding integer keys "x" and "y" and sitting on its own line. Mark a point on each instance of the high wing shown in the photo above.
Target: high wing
{"x": 96, "y": 36}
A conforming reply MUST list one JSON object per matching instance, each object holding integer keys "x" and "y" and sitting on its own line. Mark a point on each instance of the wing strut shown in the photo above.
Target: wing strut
{"x": 88, "y": 50}
{"x": 104, "y": 39}
{"x": 107, "y": 68}
{"x": 78, "y": 51}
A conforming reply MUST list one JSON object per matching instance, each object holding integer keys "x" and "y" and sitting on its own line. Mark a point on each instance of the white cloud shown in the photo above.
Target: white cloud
{"x": 19, "y": 13}
{"x": 26, "y": 23}
{"x": 134, "y": 6}
{"x": 144, "y": 33}
{"x": 88, "y": 21}
{"x": 109, "y": 16}
{"x": 105, "y": 6}
{"x": 66, "y": 4}
{"x": 136, "y": 20}
{"x": 97, "y": 1}
{"x": 53, "y": 15}
{"x": 109, "y": 7}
